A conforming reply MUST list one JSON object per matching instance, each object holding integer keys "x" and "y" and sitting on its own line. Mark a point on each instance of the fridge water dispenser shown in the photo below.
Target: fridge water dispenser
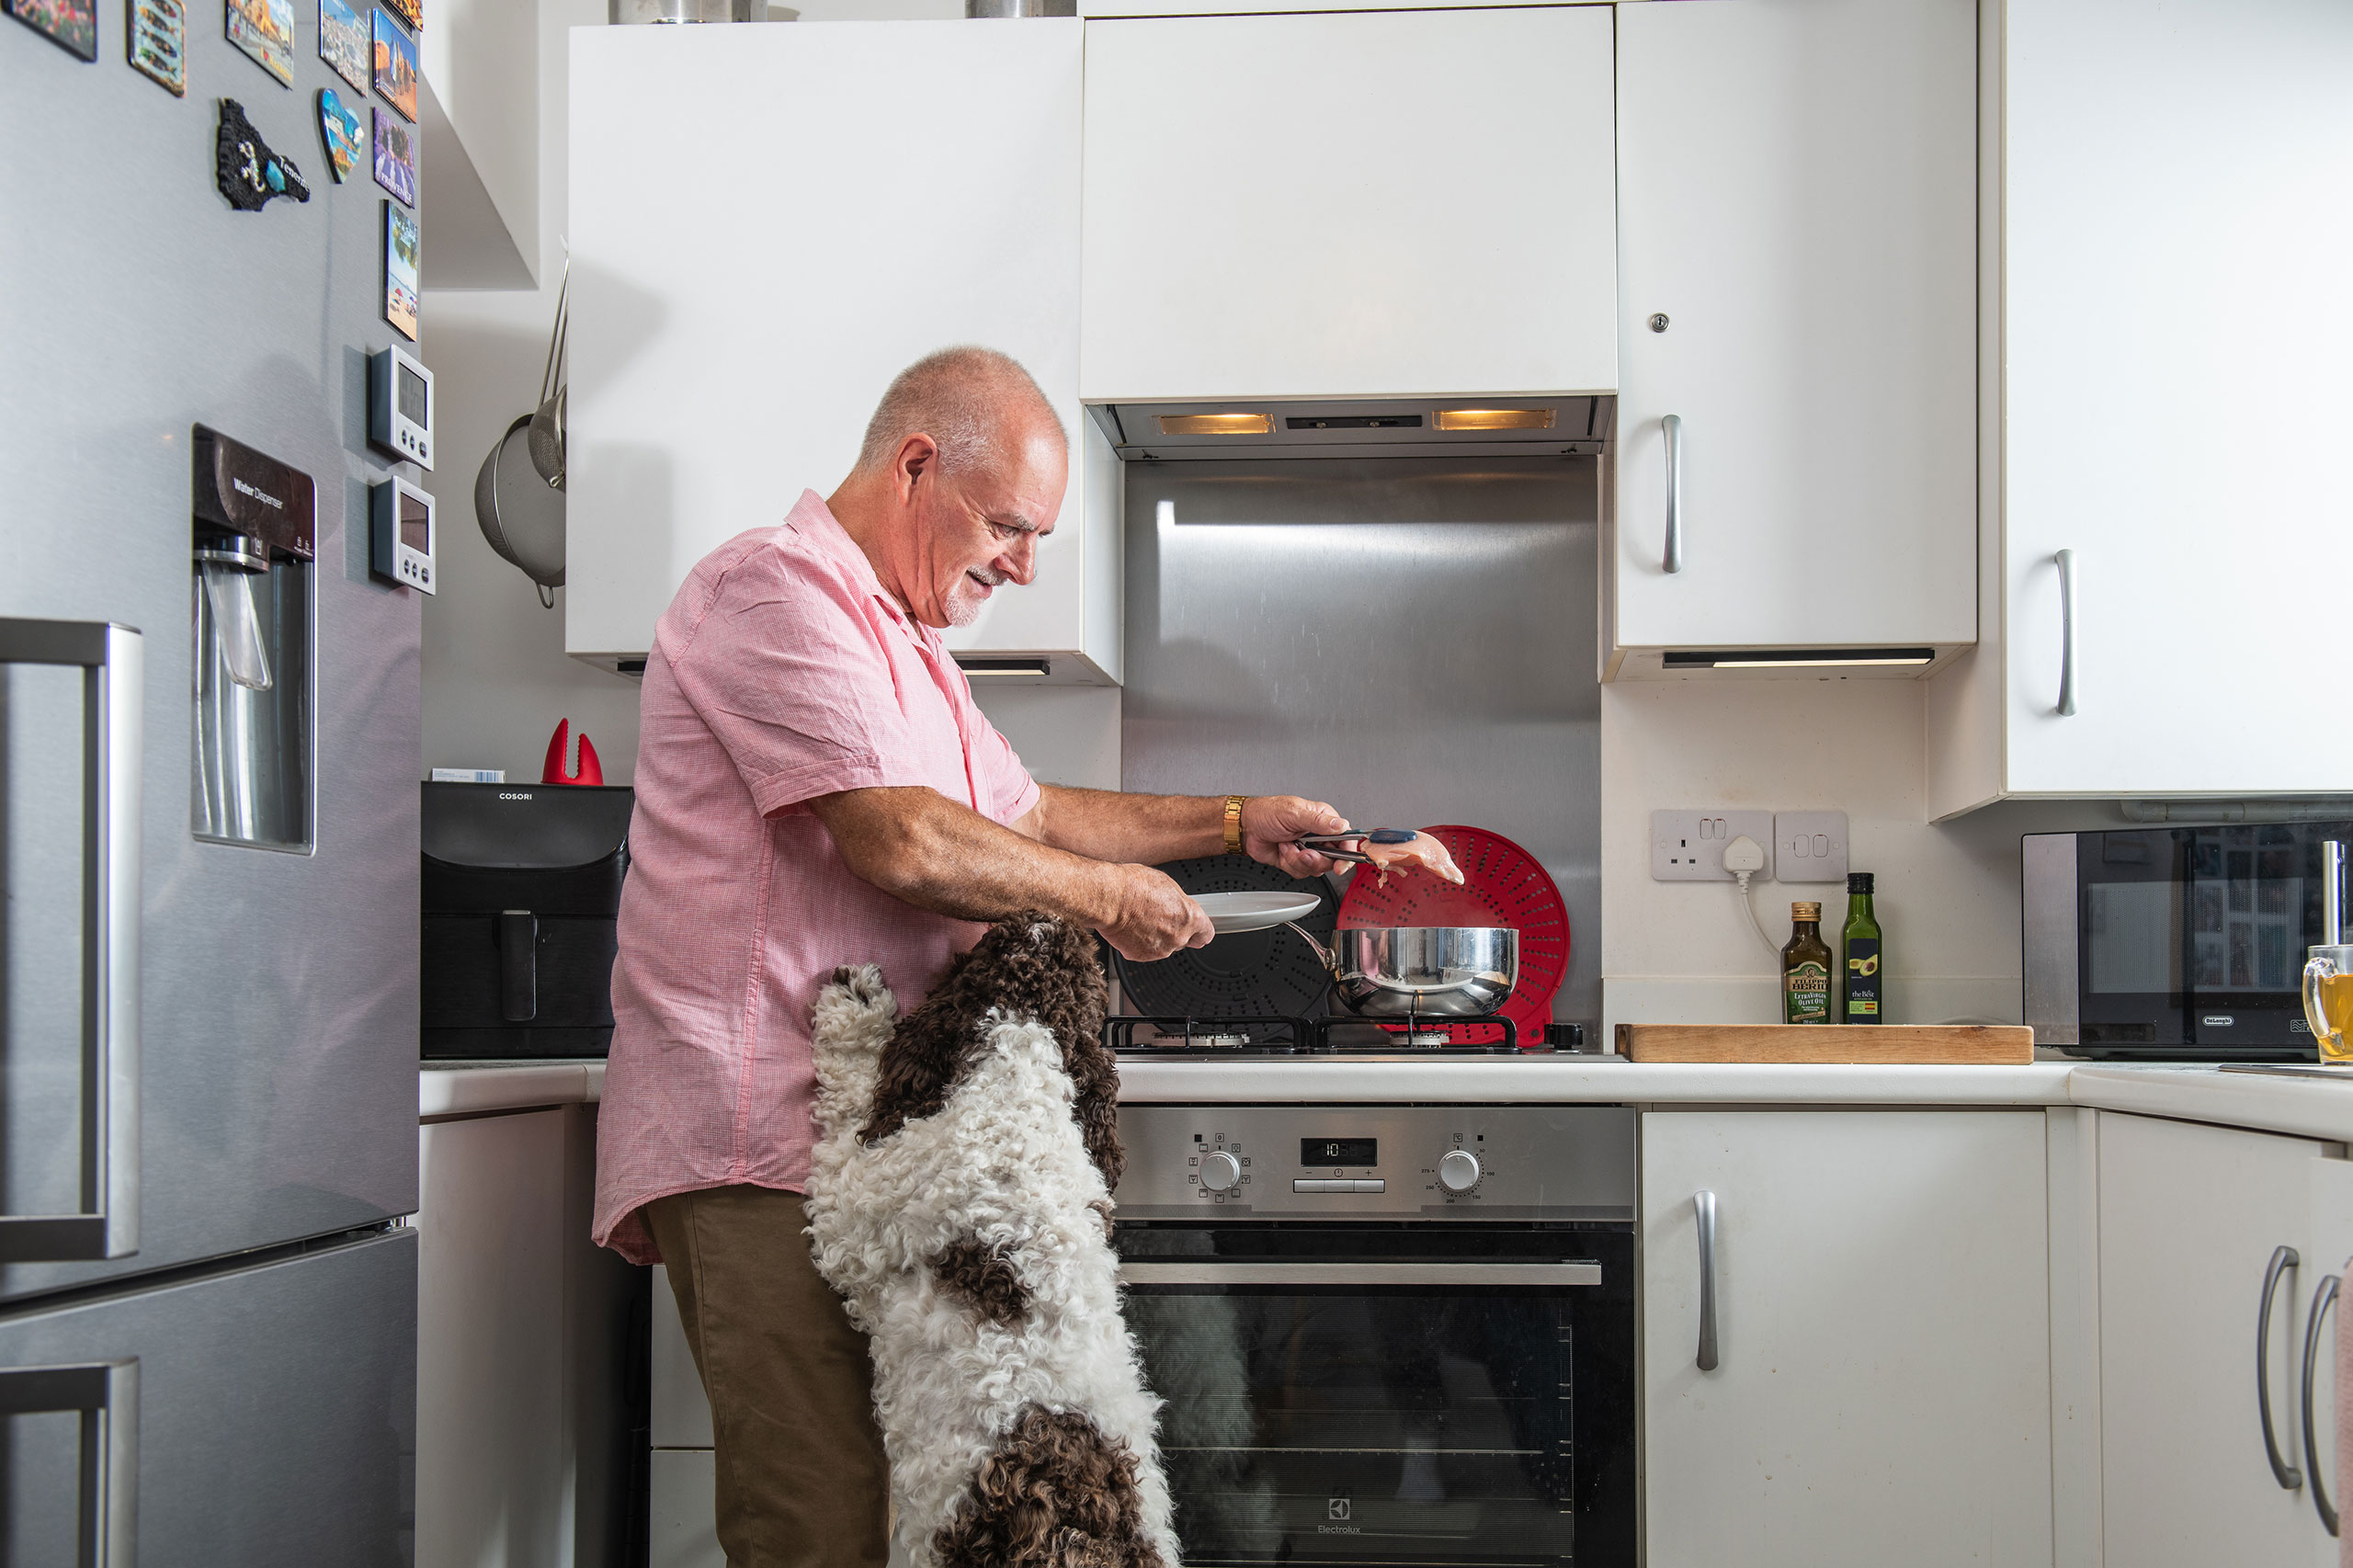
{"x": 255, "y": 522}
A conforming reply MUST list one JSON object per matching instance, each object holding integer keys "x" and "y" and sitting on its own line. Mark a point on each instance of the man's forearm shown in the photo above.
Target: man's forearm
{"x": 922, "y": 847}
{"x": 1109, "y": 824}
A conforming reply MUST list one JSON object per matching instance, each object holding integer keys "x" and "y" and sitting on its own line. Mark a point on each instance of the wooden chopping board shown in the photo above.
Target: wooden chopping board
{"x": 1874, "y": 1044}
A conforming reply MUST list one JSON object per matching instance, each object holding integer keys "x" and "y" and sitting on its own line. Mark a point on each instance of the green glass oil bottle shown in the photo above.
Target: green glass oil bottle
{"x": 1806, "y": 989}
{"x": 1866, "y": 966}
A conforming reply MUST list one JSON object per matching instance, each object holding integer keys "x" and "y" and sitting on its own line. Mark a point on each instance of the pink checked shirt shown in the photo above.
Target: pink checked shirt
{"x": 781, "y": 671}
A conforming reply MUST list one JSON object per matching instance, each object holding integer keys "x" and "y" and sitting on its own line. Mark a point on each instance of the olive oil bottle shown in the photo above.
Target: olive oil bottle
{"x": 1864, "y": 968}
{"x": 1806, "y": 968}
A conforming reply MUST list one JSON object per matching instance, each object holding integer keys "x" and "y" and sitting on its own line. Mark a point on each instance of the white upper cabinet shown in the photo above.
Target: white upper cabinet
{"x": 766, "y": 225}
{"x": 2168, "y": 350}
{"x": 1879, "y": 1391}
{"x": 1371, "y": 204}
{"x": 1797, "y": 189}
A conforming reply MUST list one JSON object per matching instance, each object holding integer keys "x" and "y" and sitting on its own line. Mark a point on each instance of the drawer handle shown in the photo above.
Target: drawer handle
{"x": 2323, "y": 1298}
{"x": 1703, "y": 1204}
{"x": 105, "y": 1394}
{"x": 1673, "y": 425}
{"x": 2289, "y": 1477}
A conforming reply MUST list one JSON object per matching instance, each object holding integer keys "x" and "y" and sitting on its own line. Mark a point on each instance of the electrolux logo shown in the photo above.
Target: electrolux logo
{"x": 242, "y": 488}
{"x": 514, "y": 794}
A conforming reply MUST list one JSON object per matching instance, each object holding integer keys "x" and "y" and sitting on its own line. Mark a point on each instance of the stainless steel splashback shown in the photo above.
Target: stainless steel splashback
{"x": 1409, "y": 639}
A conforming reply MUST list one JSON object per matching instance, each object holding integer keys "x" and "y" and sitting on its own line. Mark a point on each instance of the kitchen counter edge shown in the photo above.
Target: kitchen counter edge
{"x": 475, "y": 1088}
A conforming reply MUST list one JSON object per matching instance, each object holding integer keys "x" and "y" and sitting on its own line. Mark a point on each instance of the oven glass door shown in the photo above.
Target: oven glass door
{"x": 1393, "y": 1394}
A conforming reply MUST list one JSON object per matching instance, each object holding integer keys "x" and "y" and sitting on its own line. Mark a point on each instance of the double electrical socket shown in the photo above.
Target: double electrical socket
{"x": 1800, "y": 847}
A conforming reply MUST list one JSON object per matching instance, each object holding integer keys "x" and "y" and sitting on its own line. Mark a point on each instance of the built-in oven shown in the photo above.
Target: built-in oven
{"x": 1392, "y": 1334}
{"x": 2173, "y": 941}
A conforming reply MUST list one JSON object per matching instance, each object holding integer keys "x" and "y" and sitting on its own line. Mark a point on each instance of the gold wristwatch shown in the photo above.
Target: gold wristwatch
{"x": 1233, "y": 825}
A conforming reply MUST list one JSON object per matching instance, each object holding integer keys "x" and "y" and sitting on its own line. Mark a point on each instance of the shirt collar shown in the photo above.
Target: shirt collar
{"x": 815, "y": 521}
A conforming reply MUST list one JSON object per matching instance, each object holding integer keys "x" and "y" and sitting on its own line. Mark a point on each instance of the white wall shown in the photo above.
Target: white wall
{"x": 1947, "y": 894}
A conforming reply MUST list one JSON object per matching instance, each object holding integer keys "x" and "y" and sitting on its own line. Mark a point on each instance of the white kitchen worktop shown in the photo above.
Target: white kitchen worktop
{"x": 471, "y": 1088}
{"x": 2302, "y": 1105}
{"x": 2305, "y": 1106}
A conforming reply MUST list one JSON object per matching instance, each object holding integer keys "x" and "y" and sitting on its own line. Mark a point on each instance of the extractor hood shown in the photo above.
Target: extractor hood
{"x": 1396, "y": 428}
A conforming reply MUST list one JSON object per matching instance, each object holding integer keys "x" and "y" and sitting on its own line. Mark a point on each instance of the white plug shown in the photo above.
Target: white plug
{"x": 1743, "y": 858}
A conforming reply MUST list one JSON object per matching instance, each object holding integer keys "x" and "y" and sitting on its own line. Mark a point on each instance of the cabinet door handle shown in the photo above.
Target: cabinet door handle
{"x": 106, "y": 1395}
{"x": 2067, "y": 560}
{"x": 1703, "y": 1204}
{"x": 1673, "y": 425}
{"x": 2282, "y": 1259}
{"x": 2323, "y": 1298}
{"x": 113, "y": 663}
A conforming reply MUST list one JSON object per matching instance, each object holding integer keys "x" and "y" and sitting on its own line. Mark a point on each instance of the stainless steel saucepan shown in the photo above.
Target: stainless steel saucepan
{"x": 1431, "y": 972}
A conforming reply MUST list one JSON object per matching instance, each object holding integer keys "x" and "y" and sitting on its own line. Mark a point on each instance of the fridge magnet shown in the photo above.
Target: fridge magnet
{"x": 395, "y": 64}
{"x": 396, "y": 156}
{"x": 72, "y": 25}
{"x": 249, "y": 174}
{"x": 409, "y": 11}
{"x": 343, "y": 43}
{"x": 265, "y": 31}
{"x": 345, "y": 138}
{"x": 400, "y": 268}
{"x": 158, "y": 43}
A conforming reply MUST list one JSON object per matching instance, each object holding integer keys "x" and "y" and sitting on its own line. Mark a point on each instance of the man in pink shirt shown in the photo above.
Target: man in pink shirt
{"x": 816, "y": 787}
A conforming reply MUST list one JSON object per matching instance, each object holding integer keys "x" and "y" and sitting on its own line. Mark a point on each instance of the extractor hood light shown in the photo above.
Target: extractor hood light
{"x": 1799, "y": 659}
{"x": 1494, "y": 419}
{"x": 1217, "y": 425}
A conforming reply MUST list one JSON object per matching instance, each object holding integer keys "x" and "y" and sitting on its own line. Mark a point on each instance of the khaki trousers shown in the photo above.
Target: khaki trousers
{"x": 803, "y": 1482}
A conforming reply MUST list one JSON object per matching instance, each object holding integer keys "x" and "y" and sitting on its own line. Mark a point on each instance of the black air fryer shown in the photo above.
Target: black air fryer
{"x": 522, "y": 883}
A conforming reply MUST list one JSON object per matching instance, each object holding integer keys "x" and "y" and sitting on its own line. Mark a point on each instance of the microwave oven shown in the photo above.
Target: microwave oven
{"x": 2173, "y": 942}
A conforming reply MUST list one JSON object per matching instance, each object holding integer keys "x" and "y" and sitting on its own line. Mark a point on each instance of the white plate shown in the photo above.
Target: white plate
{"x": 1230, "y": 912}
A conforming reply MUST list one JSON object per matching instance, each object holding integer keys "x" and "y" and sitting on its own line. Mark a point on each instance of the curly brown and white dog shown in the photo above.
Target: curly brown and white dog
{"x": 959, "y": 1200}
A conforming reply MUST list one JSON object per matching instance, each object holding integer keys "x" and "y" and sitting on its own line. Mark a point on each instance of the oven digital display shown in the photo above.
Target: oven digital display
{"x": 1339, "y": 1151}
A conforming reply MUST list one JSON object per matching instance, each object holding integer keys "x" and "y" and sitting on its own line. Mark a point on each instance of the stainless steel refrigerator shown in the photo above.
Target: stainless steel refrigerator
{"x": 209, "y": 755}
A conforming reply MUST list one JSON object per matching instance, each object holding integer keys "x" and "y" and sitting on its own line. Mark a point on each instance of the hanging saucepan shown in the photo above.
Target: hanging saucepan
{"x": 1430, "y": 971}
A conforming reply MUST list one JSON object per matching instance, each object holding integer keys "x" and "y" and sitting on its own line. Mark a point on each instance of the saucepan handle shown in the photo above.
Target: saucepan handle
{"x": 1332, "y": 846}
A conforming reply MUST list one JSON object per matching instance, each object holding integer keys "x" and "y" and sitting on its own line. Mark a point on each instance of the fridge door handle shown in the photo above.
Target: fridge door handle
{"x": 112, "y": 661}
{"x": 106, "y": 1395}
{"x": 2323, "y": 1298}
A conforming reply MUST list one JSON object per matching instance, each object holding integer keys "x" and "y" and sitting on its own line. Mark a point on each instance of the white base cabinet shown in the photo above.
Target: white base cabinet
{"x": 2189, "y": 1220}
{"x": 2166, "y": 326}
{"x": 1882, "y": 1389}
{"x": 1797, "y": 195}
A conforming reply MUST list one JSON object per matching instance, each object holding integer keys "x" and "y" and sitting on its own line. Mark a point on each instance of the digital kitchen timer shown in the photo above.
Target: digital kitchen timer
{"x": 400, "y": 406}
{"x": 402, "y": 533}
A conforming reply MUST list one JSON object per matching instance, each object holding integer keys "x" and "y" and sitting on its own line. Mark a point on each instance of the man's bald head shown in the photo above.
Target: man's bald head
{"x": 980, "y": 408}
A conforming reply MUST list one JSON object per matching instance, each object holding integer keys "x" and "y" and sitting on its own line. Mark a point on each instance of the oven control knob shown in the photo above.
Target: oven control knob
{"x": 1220, "y": 1171}
{"x": 1458, "y": 1170}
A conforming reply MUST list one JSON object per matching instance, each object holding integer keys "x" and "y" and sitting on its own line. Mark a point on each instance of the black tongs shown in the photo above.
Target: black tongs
{"x": 1328, "y": 844}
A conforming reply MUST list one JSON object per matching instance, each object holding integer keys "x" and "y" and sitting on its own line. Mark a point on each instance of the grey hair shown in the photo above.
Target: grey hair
{"x": 963, "y": 398}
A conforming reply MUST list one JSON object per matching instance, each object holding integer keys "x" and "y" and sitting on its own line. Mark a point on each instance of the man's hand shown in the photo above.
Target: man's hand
{"x": 1155, "y": 918}
{"x": 1269, "y": 822}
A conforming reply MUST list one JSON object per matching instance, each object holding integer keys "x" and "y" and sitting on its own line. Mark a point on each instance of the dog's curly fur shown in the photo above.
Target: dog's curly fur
{"x": 1055, "y": 1491}
{"x": 1029, "y": 966}
{"x": 960, "y": 1200}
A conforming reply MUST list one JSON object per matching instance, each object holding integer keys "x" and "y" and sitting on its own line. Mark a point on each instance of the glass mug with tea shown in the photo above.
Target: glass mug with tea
{"x": 2328, "y": 1001}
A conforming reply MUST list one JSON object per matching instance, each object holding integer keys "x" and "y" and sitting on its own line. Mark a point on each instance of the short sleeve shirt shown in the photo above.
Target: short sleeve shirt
{"x": 783, "y": 671}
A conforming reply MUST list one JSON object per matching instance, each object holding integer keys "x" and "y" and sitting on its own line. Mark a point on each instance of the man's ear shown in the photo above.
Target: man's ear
{"x": 918, "y": 456}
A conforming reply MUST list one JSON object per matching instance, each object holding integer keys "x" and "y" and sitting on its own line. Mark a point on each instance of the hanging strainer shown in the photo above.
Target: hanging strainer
{"x": 518, "y": 493}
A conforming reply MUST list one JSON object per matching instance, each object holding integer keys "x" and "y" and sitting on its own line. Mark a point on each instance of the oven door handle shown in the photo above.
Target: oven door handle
{"x": 1214, "y": 1272}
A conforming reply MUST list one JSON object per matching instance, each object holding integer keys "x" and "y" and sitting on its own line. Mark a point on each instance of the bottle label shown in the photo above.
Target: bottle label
{"x": 1807, "y": 992}
{"x": 1862, "y": 979}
